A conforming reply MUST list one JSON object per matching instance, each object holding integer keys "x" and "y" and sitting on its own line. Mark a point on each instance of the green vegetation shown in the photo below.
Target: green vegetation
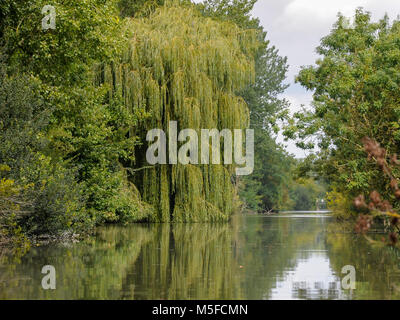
{"x": 187, "y": 68}
{"x": 77, "y": 101}
{"x": 63, "y": 136}
{"x": 245, "y": 259}
{"x": 306, "y": 194}
{"x": 267, "y": 188}
{"x": 356, "y": 94}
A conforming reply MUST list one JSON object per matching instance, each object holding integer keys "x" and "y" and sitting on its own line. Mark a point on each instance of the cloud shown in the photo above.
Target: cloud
{"x": 296, "y": 27}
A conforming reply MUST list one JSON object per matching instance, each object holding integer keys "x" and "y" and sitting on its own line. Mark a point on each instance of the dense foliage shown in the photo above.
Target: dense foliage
{"x": 187, "y": 68}
{"x": 62, "y": 135}
{"x": 356, "y": 95}
{"x": 75, "y": 102}
{"x": 267, "y": 188}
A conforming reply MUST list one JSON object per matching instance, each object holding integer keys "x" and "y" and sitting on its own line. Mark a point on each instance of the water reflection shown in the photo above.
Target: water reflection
{"x": 312, "y": 278}
{"x": 289, "y": 256}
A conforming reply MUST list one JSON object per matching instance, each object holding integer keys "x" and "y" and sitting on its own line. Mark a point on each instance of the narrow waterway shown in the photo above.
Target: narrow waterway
{"x": 284, "y": 256}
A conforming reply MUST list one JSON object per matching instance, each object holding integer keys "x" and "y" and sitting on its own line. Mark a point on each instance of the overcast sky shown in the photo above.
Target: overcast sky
{"x": 295, "y": 27}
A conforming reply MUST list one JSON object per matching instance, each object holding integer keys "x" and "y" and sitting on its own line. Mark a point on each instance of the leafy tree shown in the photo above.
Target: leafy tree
{"x": 304, "y": 194}
{"x": 265, "y": 188}
{"x": 86, "y": 32}
{"x": 62, "y": 132}
{"x": 131, "y": 8}
{"x": 43, "y": 195}
{"x": 183, "y": 66}
{"x": 238, "y": 11}
{"x": 356, "y": 94}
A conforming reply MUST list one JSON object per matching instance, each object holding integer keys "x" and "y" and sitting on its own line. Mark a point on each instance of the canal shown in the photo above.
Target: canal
{"x": 285, "y": 256}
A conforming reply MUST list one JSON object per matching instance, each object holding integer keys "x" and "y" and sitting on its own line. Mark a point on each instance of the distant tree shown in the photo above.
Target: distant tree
{"x": 356, "y": 93}
{"x": 130, "y": 8}
{"x": 265, "y": 188}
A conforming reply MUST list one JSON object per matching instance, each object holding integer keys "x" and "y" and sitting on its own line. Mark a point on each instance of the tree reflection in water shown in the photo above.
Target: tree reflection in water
{"x": 253, "y": 257}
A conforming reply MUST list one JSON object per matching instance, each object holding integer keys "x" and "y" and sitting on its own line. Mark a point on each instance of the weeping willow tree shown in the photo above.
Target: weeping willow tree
{"x": 183, "y": 67}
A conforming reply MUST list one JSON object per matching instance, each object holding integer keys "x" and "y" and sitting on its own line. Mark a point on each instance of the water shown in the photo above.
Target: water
{"x": 286, "y": 256}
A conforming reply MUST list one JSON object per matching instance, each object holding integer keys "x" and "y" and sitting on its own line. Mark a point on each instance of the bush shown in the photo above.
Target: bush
{"x": 112, "y": 198}
{"x": 41, "y": 192}
{"x": 341, "y": 206}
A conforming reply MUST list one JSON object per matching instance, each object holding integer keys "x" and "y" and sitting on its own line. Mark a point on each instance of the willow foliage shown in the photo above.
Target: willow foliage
{"x": 183, "y": 67}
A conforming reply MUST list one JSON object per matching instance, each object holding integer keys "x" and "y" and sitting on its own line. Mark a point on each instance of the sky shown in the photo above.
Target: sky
{"x": 295, "y": 28}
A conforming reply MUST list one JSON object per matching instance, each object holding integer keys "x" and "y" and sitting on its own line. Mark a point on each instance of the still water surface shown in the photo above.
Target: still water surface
{"x": 286, "y": 256}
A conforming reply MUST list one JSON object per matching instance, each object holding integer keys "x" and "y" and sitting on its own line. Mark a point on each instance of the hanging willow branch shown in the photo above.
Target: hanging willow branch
{"x": 183, "y": 67}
